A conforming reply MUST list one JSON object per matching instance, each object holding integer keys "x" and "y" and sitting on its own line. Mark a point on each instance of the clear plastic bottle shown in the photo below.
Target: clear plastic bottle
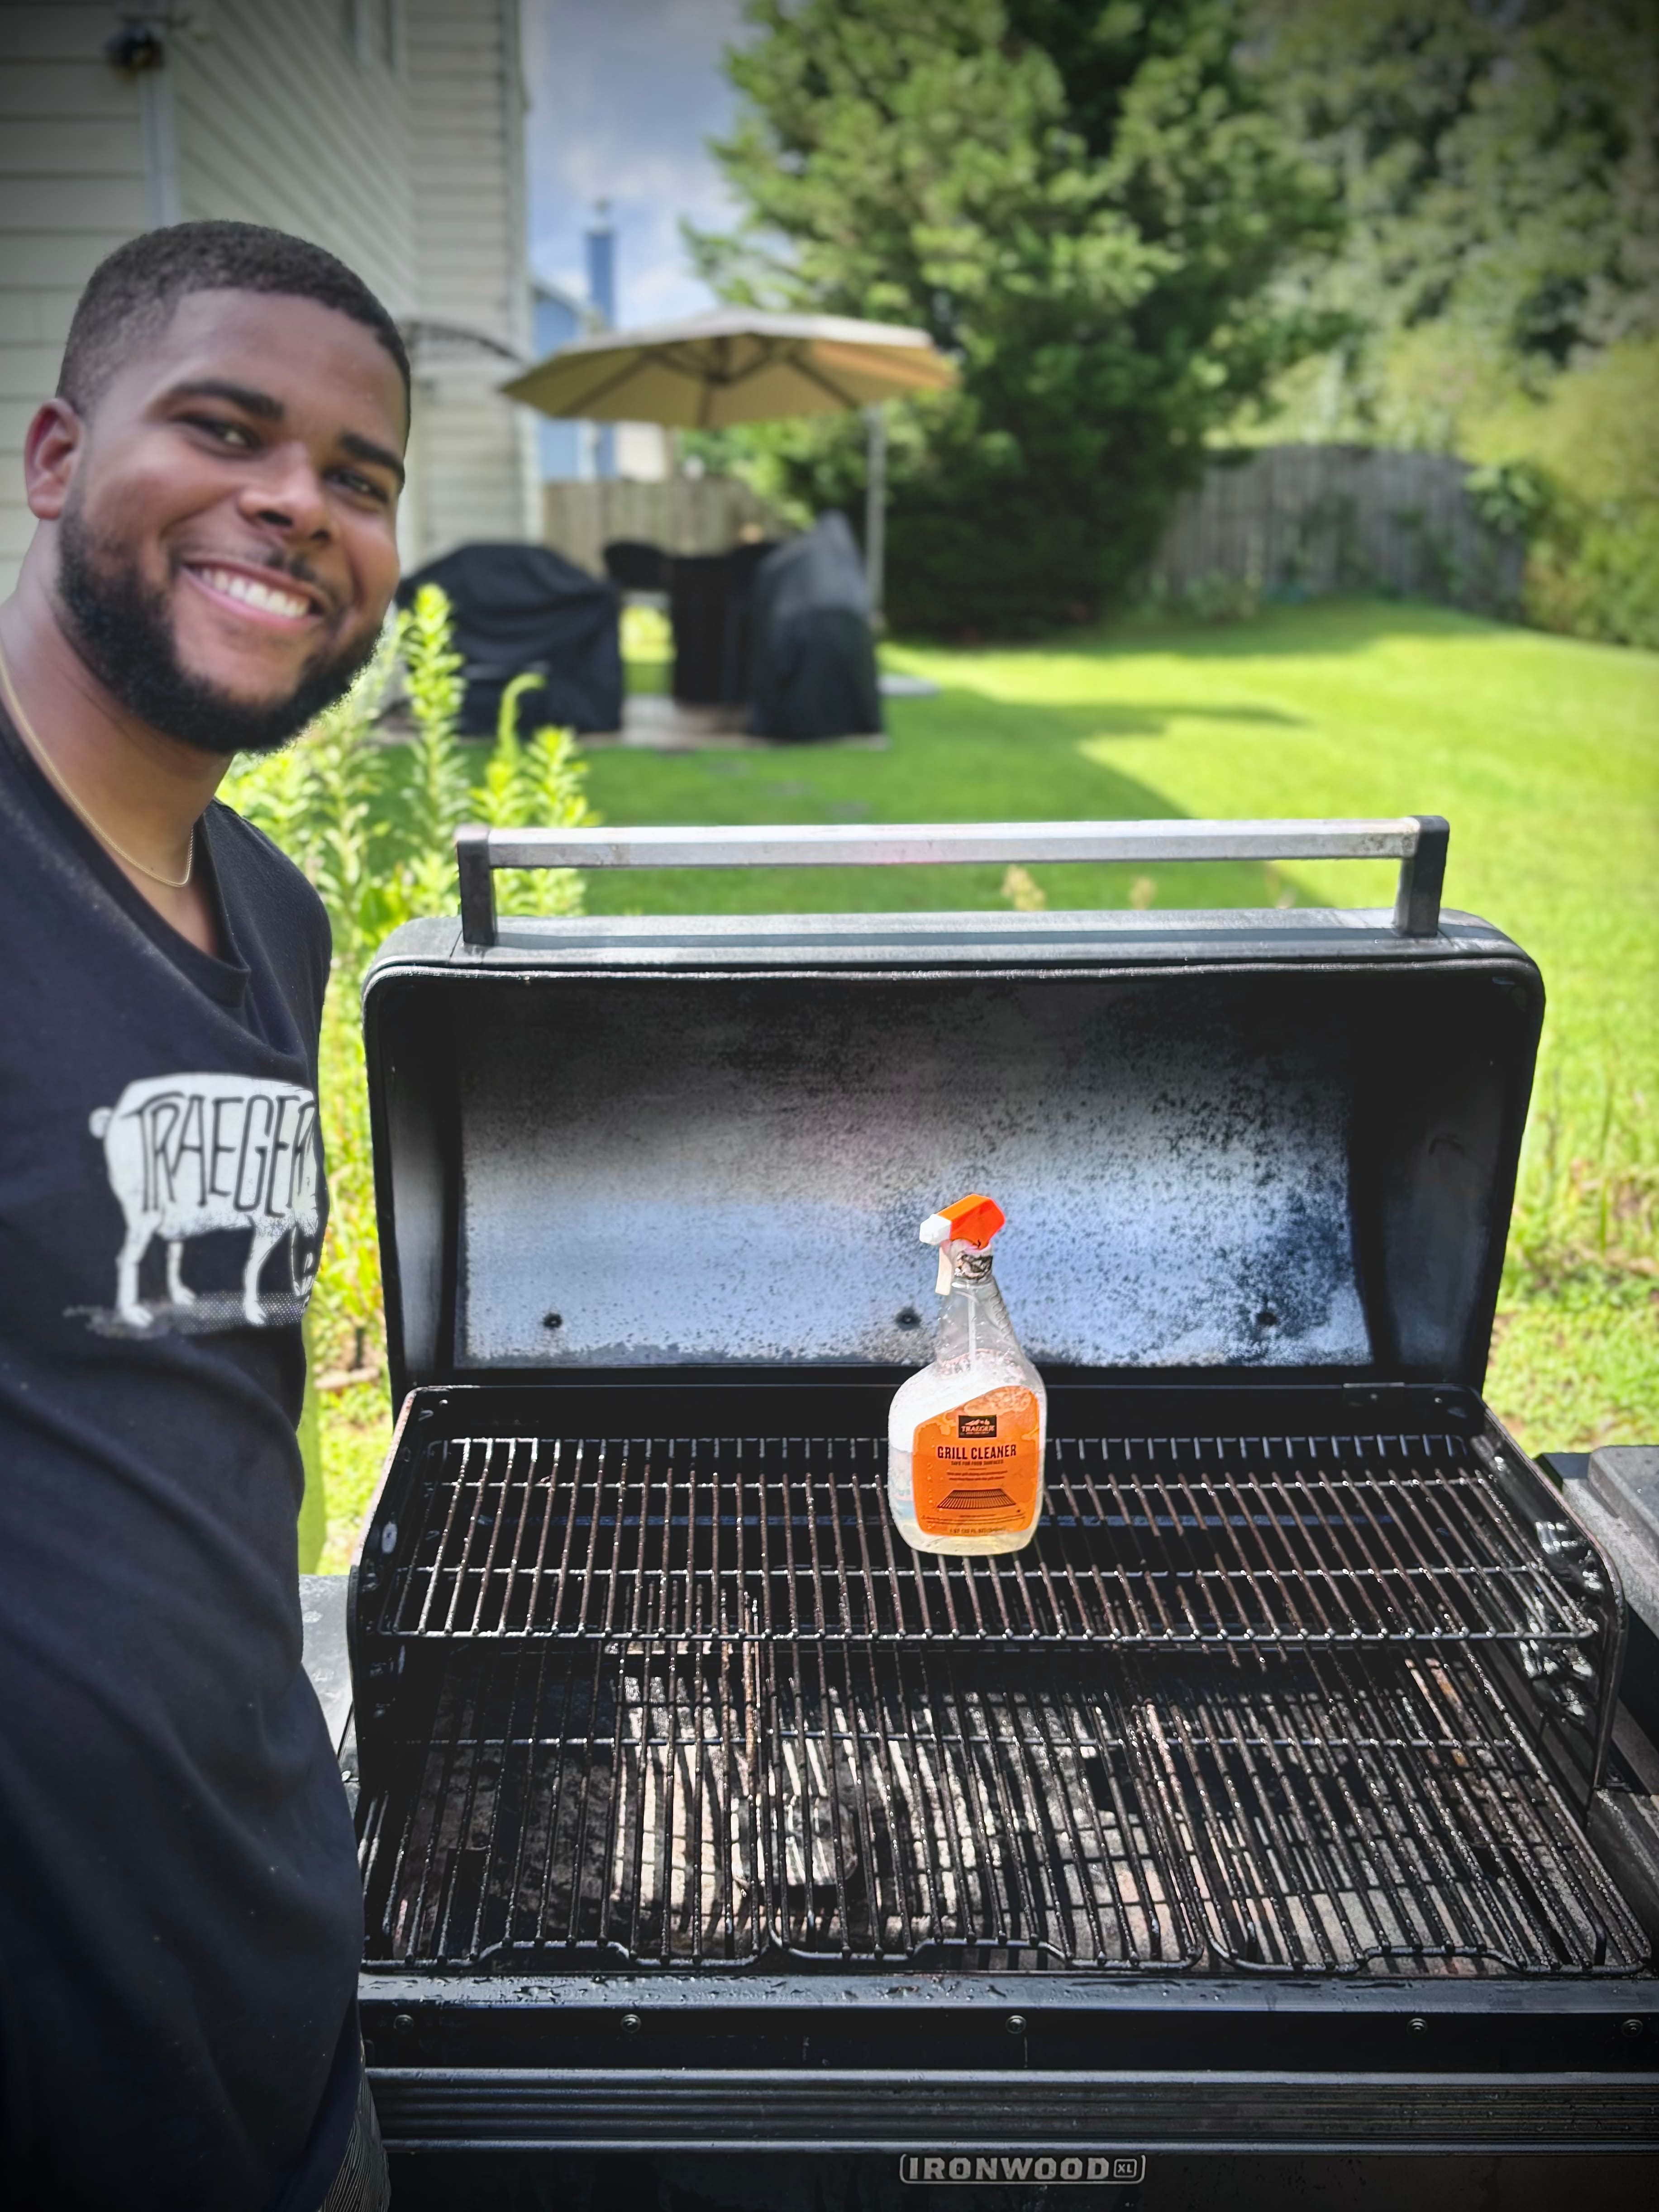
{"x": 966, "y": 1434}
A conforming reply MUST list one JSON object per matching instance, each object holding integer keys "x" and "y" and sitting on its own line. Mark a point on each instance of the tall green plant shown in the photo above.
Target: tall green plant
{"x": 538, "y": 782}
{"x": 1587, "y": 1204}
{"x": 323, "y": 800}
{"x": 373, "y": 826}
{"x": 437, "y": 792}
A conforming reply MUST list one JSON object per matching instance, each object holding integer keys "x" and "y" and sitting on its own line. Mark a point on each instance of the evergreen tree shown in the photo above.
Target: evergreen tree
{"x": 1087, "y": 204}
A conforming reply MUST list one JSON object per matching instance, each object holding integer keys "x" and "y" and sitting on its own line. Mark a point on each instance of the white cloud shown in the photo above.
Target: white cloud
{"x": 622, "y": 98}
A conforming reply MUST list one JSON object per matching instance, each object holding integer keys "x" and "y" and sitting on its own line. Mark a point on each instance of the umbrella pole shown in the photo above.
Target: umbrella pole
{"x": 875, "y": 512}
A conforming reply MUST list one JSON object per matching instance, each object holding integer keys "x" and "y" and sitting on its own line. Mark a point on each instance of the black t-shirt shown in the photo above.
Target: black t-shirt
{"x": 180, "y": 1917}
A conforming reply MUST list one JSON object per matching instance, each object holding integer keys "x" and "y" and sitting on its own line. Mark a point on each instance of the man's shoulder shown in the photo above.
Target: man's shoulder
{"x": 262, "y": 866}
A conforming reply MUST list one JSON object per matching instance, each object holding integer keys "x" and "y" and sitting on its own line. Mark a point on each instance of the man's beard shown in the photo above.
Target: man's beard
{"x": 120, "y": 629}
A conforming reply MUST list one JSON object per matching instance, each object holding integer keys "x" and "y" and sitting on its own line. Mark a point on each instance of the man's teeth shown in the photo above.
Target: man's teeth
{"x": 238, "y": 586}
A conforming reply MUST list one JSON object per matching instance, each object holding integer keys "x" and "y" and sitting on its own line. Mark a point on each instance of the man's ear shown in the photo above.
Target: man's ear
{"x": 51, "y": 450}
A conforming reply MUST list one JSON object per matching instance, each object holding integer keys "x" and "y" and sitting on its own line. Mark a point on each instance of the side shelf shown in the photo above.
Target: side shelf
{"x": 1612, "y": 1492}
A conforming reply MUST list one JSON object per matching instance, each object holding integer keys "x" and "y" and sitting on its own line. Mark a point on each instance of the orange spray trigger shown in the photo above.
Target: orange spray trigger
{"x": 974, "y": 1220}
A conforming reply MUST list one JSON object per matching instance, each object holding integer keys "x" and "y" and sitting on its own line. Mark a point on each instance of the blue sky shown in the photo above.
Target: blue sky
{"x": 622, "y": 95}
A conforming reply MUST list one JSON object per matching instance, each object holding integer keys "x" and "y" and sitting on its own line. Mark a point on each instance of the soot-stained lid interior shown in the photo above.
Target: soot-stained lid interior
{"x": 1272, "y": 1169}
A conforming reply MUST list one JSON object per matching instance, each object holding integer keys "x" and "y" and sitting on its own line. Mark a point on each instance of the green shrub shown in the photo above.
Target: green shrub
{"x": 1595, "y": 573}
{"x": 1585, "y": 459}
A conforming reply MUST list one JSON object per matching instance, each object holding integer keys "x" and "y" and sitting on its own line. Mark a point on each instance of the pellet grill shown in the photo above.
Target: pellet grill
{"x": 1247, "y": 1810}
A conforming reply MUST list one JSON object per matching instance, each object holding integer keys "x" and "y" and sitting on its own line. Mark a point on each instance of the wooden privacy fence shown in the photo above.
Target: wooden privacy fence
{"x": 1285, "y": 521}
{"x": 683, "y": 515}
{"x": 1295, "y": 520}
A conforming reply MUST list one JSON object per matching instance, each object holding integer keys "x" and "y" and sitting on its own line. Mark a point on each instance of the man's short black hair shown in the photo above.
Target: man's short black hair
{"x": 132, "y": 293}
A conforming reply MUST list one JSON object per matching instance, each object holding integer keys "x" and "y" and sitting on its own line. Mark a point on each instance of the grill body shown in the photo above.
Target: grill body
{"x": 1244, "y": 1811}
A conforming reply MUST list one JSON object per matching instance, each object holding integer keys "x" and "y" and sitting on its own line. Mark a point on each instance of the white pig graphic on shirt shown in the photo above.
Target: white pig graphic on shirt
{"x": 188, "y": 1155}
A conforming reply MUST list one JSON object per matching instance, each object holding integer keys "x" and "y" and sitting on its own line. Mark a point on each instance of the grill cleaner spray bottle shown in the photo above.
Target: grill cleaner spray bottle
{"x": 965, "y": 1436}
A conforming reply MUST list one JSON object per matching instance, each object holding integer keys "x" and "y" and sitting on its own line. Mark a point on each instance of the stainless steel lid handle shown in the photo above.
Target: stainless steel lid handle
{"x": 1417, "y": 841}
{"x": 477, "y": 872}
{"x": 1422, "y": 879}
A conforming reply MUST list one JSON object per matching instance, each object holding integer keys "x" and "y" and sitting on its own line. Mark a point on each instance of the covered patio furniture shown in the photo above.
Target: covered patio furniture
{"x": 812, "y": 667}
{"x": 708, "y": 599}
{"x": 521, "y": 608}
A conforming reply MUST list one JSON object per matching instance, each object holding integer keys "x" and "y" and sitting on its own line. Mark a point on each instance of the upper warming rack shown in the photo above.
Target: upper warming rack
{"x": 1268, "y": 1543}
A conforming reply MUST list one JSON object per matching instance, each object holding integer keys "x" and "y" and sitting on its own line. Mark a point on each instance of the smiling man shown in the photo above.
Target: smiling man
{"x": 215, "y": 488}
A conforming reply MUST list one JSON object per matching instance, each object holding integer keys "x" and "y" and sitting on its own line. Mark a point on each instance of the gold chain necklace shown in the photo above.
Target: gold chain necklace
{"x": 54, "y": 775}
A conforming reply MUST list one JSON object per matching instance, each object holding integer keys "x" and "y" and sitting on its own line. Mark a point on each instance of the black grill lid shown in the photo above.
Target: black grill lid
{"x": 1273, "y": 1143}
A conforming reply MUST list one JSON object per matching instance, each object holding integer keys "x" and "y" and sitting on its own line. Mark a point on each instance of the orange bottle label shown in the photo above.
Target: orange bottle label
{"x": 977, "y": 1469}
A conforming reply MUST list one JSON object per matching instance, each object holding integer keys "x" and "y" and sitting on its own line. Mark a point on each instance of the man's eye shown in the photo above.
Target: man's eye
{"x": 360, "y": 487}
{"x": 227, "y": 434}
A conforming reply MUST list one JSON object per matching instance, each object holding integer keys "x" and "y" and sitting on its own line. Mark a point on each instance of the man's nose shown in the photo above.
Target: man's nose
{"x": 287, "y": 494}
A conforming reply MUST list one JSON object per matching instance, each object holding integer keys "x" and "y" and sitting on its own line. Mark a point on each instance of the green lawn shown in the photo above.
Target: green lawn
{"x": 1542, "y": 752}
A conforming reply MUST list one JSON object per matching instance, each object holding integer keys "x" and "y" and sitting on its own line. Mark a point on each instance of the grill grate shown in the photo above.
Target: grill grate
{"x": 678, "y": 1803}
{"x": 1270, "y": 1543}
{"x": 1332, "y": 1816}
{"x": 664, "y": 1802}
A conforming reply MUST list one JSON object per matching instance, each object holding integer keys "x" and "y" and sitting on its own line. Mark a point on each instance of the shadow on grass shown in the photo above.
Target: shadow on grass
{"x": 1124, "y": 718}
{"x": 1044, "y": 743}
{"x": 1345, "y": 624}
{"x": 1328, "y": 626}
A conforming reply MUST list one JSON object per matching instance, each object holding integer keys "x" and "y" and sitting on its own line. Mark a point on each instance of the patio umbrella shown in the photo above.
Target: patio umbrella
{"x": 742, "y": 365}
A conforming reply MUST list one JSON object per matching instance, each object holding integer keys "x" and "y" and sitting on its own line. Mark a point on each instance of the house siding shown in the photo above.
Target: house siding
{"x": 71, "y": 189}
{"x": 410, "y": 167}
{"x": 281, "y": 120}
{"x": 476, "y": 451}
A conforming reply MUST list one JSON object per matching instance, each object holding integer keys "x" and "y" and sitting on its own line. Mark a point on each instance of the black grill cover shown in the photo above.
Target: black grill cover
{"x": 813, "y": 666}
{"x": 521, "y": 607}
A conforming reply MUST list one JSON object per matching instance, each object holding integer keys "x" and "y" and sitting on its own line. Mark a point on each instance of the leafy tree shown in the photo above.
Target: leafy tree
{"x": 1498, "y": 165}
{"x": 1087, "y": 204}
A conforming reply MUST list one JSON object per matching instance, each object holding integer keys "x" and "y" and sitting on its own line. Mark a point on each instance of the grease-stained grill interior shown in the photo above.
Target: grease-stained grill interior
{"x": 696, "y": 1810}
{"x": 689, "y": 1700}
